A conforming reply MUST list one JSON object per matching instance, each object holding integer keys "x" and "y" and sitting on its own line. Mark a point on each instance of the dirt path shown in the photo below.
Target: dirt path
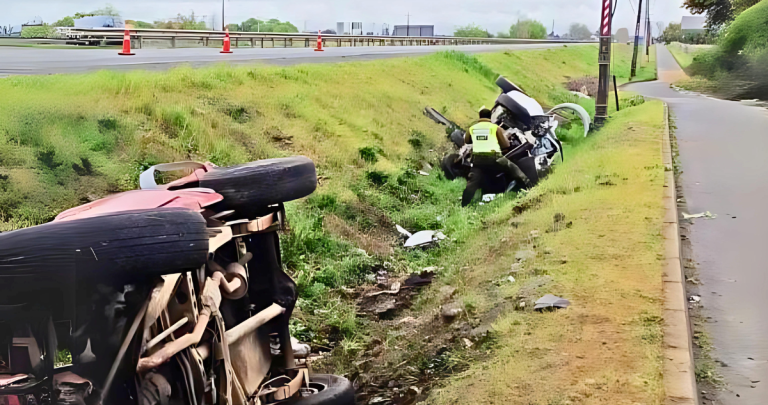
{"x": 722, "y": 146}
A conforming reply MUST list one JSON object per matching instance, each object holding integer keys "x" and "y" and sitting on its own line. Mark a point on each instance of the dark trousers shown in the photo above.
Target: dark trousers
{"x": 483, "y": 164}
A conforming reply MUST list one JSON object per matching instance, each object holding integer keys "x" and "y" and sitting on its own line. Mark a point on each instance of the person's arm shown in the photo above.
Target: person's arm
{"x": 503, "y": 141}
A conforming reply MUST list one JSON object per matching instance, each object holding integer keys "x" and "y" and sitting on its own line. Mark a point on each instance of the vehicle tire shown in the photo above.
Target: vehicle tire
{"x": 332, "y": 390}
{"x": 506, "y": 86}
{"x": 147, "y": 242}
{"x": 457, "y": 137}
{"x": 255, "y": 185}
{"x": 448, "y": 165}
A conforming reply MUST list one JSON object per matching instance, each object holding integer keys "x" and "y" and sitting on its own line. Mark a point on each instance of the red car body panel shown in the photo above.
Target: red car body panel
{"x": 195, "y": 199}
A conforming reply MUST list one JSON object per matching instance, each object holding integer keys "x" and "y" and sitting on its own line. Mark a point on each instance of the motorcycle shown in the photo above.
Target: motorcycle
{"x": 170, "y": 294}
{"x": 530, "y": 131}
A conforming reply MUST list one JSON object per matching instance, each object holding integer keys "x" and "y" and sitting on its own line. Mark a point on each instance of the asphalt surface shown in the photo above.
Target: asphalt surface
{"x": 722, "y": 150}
{"x": 36, "y": 61}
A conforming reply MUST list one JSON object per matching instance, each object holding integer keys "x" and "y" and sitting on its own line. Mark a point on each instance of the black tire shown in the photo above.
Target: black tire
{"x": 448, "y": 164}
{"x": 506, "y": 86}
{"x": 457, "y": 137}
{"x": 254, "y": 185}
{"x": 125, "y": 244}
{"x": 337, "y": 391}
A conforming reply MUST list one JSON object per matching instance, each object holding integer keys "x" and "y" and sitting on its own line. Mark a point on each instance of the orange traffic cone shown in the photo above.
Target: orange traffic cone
{"x": 127, "y": 44}
{"x": 319, "y": 42}
{"x": 227, "y": 42}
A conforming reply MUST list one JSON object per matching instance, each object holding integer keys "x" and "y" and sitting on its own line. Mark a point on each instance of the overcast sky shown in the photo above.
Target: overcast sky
{"x": 494, "y": 15}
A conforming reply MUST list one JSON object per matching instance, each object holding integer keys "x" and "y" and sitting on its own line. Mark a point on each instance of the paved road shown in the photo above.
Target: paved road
{"x": 723, "y": 148}
{"x": 30, "y": 61}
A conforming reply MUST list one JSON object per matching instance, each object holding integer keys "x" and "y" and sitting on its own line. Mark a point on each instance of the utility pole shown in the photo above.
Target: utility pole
{"x": 408, "y": 26}
{"x": 648, "y": 34}
{"x": 222, "y": 16}
{"x": 637, "y": 41}
{"x": 604, "y": 61}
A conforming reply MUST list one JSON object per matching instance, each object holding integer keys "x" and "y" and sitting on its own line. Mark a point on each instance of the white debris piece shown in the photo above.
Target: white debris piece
{"x": 300, "y": 350}
{"x": 694, "y": 299}
{"x": 394, "y": 289}
{"x": 403, "y": 231}
{"x": 423, "y": 173}
{"x": 579, "y": 94}
{"x": 489, "y": 197}
{"x": 707, "y": 215}
{"x": 424, "y": 238}
{"x": 511, "y": 279}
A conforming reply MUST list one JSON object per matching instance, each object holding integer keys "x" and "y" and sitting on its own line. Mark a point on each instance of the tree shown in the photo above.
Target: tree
{"x": 108, "y": 10}
{"x": 528, "y": 29}
{"x": 579, "y": 31}
{"x": 65, "y": 22}
{"x": 673, "y": 33}
{"x": 272, "y": 25}
{"x": 471, "y": 31}
{"x": 328, "y": 32}
{"x": 503, "y": 34}
{"x": 182, "y": 22}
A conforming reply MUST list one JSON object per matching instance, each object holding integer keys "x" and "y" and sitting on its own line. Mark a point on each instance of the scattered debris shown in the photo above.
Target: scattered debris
{"x": 707, "y": 215}
{"x": 424, "y": 238}
{"x": 449, "y": 312}
{"x": 394, "y": 289}
{"x": 551, "y": 301}
{"x": 300, "y": 350}
{"x": 467, "y": 342}
{"x": 523, "y": 255}
{"x": 694, "y": 299}
{"x": 421, "y": 279}
{"x": 489, "y": 197}
{"x": 579, "y": 94}
{"x": 447, "y": 292}
{"x": 423, "y": 173}
{"x": 403, "y": 232}
{"x": 511, "y": 279}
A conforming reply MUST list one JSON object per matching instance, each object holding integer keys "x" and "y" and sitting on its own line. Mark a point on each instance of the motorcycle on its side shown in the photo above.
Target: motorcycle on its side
{"x": 530, "y": 131}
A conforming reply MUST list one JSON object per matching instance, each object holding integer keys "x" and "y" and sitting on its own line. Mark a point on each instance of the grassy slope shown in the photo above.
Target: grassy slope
{"x": 605, "y": 349}
{"x": 684, "y": 53}
{"x": 65, "y": 140}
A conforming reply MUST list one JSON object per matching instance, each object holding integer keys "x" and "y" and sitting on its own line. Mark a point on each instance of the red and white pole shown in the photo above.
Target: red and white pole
{"x": 319, "y": 42}
{"x": 604, "y": 62}
{"x": 126, "y": 44}
{"x": 227, "y": 42}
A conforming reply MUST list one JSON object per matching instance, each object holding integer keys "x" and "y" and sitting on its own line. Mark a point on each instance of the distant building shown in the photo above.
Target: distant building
{"x": 100, "y": 22}
{"x": 622, "y": 35}
{"x": 414, "y": 31}
{"x": 552, "y": 36}
{"x": 693, "y": 24}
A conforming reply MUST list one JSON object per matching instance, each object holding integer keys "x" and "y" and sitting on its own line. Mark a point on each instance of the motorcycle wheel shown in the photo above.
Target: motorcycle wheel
{"x": 327, "y": 389}
{"x": 448, "y": 164}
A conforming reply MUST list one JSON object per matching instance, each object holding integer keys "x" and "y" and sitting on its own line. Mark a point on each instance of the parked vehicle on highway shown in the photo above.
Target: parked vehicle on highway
{"x": 171, "y": 294}
{"x": 530, "y": 131}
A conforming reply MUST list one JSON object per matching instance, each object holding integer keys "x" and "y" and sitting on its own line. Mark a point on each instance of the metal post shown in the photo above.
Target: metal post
{"x": 604, "y": 62}
{"x": 637, "y": 41}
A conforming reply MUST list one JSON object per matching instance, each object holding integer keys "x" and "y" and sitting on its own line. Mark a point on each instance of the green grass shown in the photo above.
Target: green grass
{"x": 685, "y": 53}
{"x": 66, "y": 140}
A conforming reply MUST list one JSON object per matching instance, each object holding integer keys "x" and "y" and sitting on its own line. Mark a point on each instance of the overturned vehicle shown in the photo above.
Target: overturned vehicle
{"x": 171, "y": 294}
{"x": 530, "y": 131}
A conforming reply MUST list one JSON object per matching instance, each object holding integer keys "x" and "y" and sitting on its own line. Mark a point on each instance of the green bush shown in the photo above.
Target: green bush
{"x": 749, "y": 32}
{"x": 528, "y": 29}
{"x": 40, "y": 31}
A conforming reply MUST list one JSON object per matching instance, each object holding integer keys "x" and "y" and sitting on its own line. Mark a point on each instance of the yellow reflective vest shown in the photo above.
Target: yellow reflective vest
{"x": 484, "y": 138}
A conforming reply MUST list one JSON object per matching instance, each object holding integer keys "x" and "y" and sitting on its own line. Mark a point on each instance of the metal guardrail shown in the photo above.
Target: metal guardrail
{"x": 275, "y": 39}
